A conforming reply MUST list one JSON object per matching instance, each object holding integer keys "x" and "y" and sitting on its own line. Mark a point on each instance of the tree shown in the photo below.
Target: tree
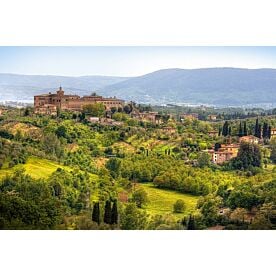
{"x": 114, "y": 213}
{"x": 127, "y": 109}
{"x": 113, "y": 165}
{"x": 96, "y": 109}
{"x": 209, "y": 208}
{"x": 61, "y": 132}
{"x": 96, "y": 213}
{"x": 191, "y": 223}
{"x": 225, "y": 128}
{"x": 27, "y": 112}
{"x": 249, "y": 155}
{"x": 113, "y": 109}
{"x": 140, "y": 197}
{"x": 217, "y": 146}
{"x": 265, "y": 131}
{"x": 258, "y": 129}
{"x": 133, "y": 218}
{"x": 240, "y": 133}
{"x": 245, "y": 132}
{"x": 107, "y": 212}
{"x": 204, "y": 159}
{"x": 179, "y": 206}
{"x": 273, "y": 150}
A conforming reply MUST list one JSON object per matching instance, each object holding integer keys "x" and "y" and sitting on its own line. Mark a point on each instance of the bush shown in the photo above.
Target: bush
{"x": 140, "y": 197}
{"x": 179, "y": 206}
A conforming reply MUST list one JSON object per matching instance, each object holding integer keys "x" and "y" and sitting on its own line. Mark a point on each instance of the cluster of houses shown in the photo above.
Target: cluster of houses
{"x": 226, "y": 152}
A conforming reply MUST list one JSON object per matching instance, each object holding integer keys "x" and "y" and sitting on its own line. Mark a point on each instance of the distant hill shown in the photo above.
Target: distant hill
{"x": 24, "y": 87}
{"x": 214, "y": 86}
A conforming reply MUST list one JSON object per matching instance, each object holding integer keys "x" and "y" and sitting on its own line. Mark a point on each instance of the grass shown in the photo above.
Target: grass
{"x": 36, "y": 168}
{"x": 161, "y": 201}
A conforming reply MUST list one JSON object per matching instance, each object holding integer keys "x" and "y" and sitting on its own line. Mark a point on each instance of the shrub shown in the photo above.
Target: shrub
{"x": 179, "y": 206}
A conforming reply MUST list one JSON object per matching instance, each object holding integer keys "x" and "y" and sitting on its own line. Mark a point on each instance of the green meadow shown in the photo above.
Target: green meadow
{"x": 35, "y": 167}
{"x": 161, "y": 201}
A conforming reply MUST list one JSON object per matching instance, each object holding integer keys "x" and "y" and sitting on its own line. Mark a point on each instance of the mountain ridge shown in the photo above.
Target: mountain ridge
{"x": 227, "y": 86}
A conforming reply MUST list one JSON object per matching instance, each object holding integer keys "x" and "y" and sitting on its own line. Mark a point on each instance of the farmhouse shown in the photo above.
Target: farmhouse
{"x": 50, "y": 103}
{"x": 225, "y": 153}
{"x": 249, "y": 139}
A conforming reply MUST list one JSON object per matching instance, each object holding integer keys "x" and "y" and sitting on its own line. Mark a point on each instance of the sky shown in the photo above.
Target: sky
{"x": 128, "y": 61}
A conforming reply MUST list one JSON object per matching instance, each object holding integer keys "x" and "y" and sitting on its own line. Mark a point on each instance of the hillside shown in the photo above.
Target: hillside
{"x": 215, "y": 86}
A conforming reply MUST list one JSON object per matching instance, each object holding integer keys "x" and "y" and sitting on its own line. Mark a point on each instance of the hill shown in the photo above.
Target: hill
{"x": 209, "y": 86}
{"x": 214, "y": 86}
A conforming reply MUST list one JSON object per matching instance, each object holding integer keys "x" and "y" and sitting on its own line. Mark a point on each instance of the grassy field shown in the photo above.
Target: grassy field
{"x": 36, "y": 167}
{"x": 161, "y": 201}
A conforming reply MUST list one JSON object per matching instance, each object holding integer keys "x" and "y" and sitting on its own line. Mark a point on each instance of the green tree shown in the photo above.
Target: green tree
{"x": 140, "y": 197}
{"x": 179, "y": 206}
{"x": 249, "y": 155}
{"x": 204, "y": 159}
{"x": 96, "y": 213}
{"x": 225, "y": 129}
{"x": 107, "y": 212}
{"x": 96, "y": 109}
{"x": 240, "y": 133}
{"x": 133, "y": 218}
{"x": 191, "y": 223}
{"x": 61, "y": 131}
{"x": 114, "y": 213}
{"x": 245, "y": 132}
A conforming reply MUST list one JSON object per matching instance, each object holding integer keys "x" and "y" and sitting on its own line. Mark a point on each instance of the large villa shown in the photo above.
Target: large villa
{"x": 51, "y": 102}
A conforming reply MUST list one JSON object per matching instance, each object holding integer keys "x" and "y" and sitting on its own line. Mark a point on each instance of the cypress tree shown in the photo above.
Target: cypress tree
{"x": 219, "y": 132}
{"x": 245, "y": 132}
{"x": 107, "y": 212}
{"x": 269, "y": 132}
{"x": 225, "y": 128}
{"x": 217, "y": 146}
{"x": 114, "y": 213}
{"x": 191, "y": 223}
{"x": 240, "y": 133}
{"x": 96, "y": 213}
{"x": 256, "y": 131}
{"x": 265, "y": 131}
{"x": 229, "y": 131}
{"x": 259, "y": 132}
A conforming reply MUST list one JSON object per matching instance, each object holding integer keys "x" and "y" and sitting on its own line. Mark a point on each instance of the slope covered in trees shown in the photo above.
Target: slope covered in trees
{"x": 66, "y": 172}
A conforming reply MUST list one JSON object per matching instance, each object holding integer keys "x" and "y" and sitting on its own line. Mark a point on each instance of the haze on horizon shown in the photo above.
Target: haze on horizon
{"x": 128, "y": 61}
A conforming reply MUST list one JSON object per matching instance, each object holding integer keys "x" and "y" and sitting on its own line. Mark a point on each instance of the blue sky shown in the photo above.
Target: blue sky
{"x": 128, "y": 61}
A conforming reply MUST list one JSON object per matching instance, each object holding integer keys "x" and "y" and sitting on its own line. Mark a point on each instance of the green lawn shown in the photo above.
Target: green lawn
{"x": 161, "y": 201}
{"x": 36, "y": 167}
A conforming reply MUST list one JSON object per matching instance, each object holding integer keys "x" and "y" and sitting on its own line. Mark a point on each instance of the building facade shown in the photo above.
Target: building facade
{"x": 51, "y": 102}
{"x": 225, "y": 153}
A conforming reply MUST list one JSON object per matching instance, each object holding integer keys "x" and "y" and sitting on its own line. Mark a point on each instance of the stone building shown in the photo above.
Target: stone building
{"x": 51, "y": 102}
{"x": 225, "y": 153}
